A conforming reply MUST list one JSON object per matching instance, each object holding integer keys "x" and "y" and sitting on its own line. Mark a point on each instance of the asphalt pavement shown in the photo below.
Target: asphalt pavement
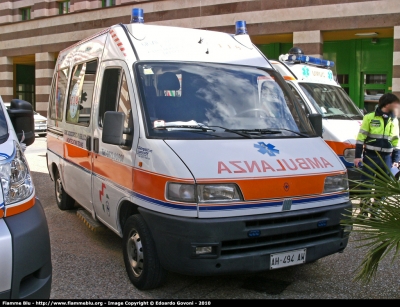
{"x": 89, "y": 265}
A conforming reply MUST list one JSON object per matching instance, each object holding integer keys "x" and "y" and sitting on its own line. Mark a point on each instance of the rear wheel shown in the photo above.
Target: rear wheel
{"x": 140, "y": 255}
{"x": 64, "y": 201}
{"x": 42, "y": 135}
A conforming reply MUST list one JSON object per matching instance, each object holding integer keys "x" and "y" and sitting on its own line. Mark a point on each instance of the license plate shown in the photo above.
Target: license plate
{"x": 290, "y": 258}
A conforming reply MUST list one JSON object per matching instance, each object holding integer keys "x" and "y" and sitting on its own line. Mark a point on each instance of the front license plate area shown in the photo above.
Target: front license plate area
{"x": 281, "y": 260}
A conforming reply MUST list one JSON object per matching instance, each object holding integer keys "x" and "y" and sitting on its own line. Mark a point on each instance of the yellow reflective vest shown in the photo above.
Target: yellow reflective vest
{"x": 378, "y": 132}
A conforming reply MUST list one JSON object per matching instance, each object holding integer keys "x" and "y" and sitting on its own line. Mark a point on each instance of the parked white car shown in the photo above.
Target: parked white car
{"x": 40, "y": 124}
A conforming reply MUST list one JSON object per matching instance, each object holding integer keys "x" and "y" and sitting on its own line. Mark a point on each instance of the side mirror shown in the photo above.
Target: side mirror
{"x": 113, "y": 128}
{"x": 21, "y": 115}
{"x": 316, "y": 122}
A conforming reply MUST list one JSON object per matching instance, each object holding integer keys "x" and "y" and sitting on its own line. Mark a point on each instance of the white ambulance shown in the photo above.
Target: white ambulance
{"x": 192, "y": 148}
{"x": 313, "y": 83}
{"x": 25, "y": 270}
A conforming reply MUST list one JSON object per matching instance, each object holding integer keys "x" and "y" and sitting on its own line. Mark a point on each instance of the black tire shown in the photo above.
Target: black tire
{"x": 42, "y": 135}
{"x": 140, "y": 255}
{"x": 64, "y": 201}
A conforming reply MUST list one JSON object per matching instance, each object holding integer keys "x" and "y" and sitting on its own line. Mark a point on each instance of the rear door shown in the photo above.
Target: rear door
{"x": 77, "y": 133}
{"x": 113, "y": 165}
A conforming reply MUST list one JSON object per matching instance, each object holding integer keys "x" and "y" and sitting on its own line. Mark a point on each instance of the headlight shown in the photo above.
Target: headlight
{"x": 15, "y": 179}
{"x": 205, "y": 193}
{"x": 218, "y": 192}
{"x": 181, "y": 192}
{"x": 349, "y": 155}
{"x": 336, "y": 183}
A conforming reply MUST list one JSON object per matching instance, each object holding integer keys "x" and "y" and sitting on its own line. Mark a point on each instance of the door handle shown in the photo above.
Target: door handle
{"x": 96, "y": 145}
{"x": 89, "y": 143}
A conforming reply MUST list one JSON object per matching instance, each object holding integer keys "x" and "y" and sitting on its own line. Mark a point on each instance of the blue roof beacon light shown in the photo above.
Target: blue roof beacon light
{"x": 298, "y": 58}
{"x": 241, "y": 27}
{"x": 137, "y": 15}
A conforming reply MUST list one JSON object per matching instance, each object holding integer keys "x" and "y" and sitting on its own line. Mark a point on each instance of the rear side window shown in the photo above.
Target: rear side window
{"x": 80, "y": 95}
{"x": 58, "y": 94}
{"x": 115, "y": 97}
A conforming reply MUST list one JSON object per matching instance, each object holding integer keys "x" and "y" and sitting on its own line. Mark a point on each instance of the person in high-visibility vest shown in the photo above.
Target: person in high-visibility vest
{"x": 379, "y": 137}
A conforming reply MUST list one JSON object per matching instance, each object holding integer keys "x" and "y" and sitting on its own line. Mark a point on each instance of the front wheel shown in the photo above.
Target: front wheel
{"x": 64, "y": 201}
{"x": 42, "y": 135}
{"x": 140, "y": 255}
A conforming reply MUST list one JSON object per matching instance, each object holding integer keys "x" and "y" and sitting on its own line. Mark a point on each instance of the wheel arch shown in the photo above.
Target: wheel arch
{"x": 125, "y": 210}
{"x": 53, "y": 169}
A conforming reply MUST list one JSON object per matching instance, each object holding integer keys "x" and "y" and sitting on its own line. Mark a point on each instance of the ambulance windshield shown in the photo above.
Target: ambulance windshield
{"x": 186, "y": 96}
{"x": 331, "y": 101}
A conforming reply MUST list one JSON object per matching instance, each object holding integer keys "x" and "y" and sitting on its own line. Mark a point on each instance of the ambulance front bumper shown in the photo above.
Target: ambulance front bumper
{"x": 244, "y": 244}
{"x": 31, "y": 255}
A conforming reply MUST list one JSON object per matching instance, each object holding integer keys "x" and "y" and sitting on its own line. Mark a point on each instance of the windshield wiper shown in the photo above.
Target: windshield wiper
{"x": 248, "y": 136}
{"x": 338, "y": 116}
{"x": 259, "y": 131}
{"x": 295, "y": 132}
{"x": 202, "y": 128}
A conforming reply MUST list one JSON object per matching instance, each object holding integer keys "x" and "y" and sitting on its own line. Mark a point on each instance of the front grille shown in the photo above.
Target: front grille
{"x": 285, "y": 220}
{"x": 281, "y": 240}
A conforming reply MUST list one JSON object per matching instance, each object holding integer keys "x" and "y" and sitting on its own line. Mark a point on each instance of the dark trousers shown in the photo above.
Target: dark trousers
{"x": 387, "y": 159}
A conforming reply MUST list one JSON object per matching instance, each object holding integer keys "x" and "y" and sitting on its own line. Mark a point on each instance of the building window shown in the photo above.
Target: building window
{"x": 25, "y": 83}
{"x": 26, "y": 13}
{"x": 64, "y": 7}
{"x": 108, "y": 3}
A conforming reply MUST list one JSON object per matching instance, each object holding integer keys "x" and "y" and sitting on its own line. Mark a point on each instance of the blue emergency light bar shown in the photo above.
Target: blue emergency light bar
{"x": 137, "y": 15}
{"x": 298, "y": 58}
{"x": 241, "y": 27}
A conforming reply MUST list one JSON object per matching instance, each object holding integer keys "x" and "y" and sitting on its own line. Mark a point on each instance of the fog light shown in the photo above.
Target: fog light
{"x": 201, "y": 250}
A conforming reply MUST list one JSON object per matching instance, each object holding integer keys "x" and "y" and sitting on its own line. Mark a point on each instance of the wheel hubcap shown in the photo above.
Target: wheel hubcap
{"x": 59, "y": 189}
{"x": 135, "y": 253}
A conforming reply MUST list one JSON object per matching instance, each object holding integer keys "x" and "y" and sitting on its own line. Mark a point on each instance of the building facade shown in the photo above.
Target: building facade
{"x": 361, "y": 36}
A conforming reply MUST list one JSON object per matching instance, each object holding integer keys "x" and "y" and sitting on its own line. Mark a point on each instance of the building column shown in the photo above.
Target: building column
{"x": 311, "y": 42}
{"x": 80, "y": 5}
{"x": 40, "y": 9}
{"x": 396, "y": 62}
{"x": 44, "y": 68}
{"x": 6, "y": 78}
{"x": 6, "y": 8}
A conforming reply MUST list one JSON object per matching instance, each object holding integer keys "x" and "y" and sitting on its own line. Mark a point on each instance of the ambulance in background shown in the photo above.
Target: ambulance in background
{"x": 192, "y": 148}
{"x": 312, "y": 82}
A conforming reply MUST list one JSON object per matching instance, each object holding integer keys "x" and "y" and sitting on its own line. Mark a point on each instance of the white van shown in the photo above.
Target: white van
{"x": 192, "y": 148}
{"x": 313, "y": 83}
{"x": 25, "y": 270}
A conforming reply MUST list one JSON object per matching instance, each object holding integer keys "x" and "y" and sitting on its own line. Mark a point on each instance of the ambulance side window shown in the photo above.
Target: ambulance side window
{"x": 299, "y": 99}
{"x": 115, "y": 97}
{"x": 80, "y": 93}
{"x": 58, "y": 94}
{"x": 109, "y": 92}
{"x": 124, "y": 106}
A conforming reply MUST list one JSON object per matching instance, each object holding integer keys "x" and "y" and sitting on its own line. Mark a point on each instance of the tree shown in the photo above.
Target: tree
{"x": 378, "y": 220}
